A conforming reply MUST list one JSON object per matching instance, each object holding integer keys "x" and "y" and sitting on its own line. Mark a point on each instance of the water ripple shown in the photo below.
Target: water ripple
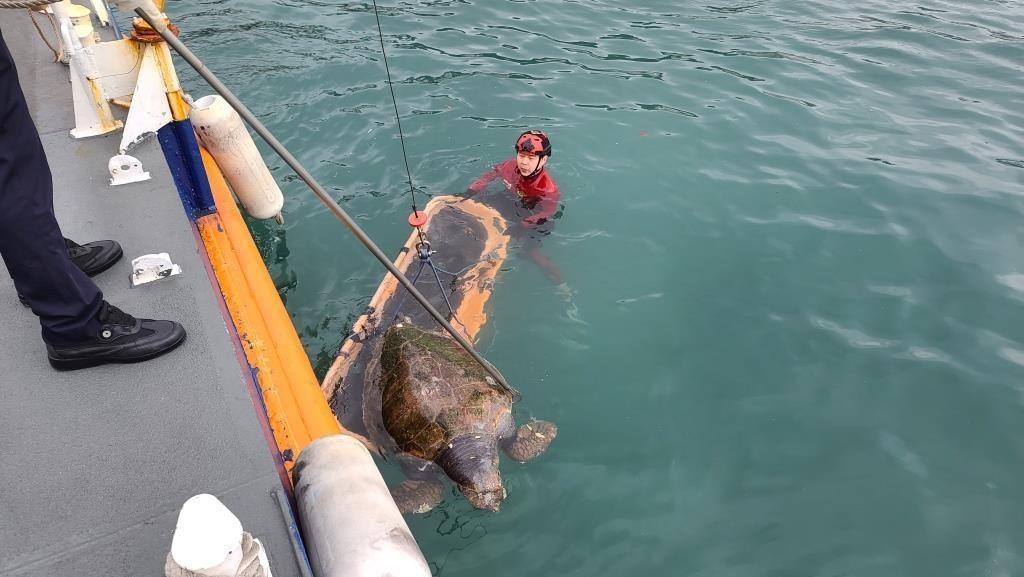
{"x": 853, "y": 337}
{"x": 797, "y": 222}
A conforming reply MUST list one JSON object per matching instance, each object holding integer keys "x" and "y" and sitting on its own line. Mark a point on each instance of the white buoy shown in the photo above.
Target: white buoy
{"x": 222, "y": 132}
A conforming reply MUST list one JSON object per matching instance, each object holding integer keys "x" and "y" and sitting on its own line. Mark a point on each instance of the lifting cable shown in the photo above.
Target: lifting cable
{"x": 156, "y": 22}
{"x": 417, "y": 219}
{"x": 414, "y": 220}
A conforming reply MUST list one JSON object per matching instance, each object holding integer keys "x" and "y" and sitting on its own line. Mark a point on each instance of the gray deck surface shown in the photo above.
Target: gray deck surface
{"x": 95, "y": 464}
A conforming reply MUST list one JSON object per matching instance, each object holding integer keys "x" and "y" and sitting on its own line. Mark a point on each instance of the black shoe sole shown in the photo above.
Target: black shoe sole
{"x": 73, "y": 364}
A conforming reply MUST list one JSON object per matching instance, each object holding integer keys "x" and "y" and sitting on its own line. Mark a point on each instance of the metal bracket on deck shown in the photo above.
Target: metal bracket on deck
{"x": 151, "y": 267}
{"x": 125, "y": 169}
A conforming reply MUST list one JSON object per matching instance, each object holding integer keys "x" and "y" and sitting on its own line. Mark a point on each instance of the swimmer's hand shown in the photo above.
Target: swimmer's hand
{"x": 534, "y": 221}
{"x": 470, "y": 191}
{"x": 461, "y": 196}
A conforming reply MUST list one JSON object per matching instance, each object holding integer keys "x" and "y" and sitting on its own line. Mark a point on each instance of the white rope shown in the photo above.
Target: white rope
{"x": 250, "y": 566}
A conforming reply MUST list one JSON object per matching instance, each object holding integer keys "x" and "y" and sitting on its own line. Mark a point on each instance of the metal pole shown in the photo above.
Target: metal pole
{"x": 158, "y": 25}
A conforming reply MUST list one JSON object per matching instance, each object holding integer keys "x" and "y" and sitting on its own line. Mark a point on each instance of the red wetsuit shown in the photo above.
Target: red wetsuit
{"x": 537, "y": 191}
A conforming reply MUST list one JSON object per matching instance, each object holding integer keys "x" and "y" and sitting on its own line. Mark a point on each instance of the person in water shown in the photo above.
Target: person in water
{"x": 526, "y": 176}
{"x": 534, "y": 201}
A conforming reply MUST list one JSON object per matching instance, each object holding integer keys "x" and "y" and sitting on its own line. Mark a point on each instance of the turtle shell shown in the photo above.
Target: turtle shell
{"x": 433, "y": 391}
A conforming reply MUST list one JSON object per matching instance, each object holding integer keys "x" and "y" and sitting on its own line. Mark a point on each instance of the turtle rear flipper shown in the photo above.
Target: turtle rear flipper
{"x": 530, "y": 440}
{"x": 417, "y": 496}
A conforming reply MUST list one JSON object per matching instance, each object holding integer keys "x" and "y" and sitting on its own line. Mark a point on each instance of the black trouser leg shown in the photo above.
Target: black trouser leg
{"x": 31, "y": 242}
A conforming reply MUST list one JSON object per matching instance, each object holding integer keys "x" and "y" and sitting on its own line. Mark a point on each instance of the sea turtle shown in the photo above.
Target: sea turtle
{"x": 430, "y": 402}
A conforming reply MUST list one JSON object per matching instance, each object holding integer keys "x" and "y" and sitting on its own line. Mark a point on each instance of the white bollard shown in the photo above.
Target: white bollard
{"x": 209, "y": 542}
{"x": 81, "y": 22}
{"x": 92, "y": 111}
{"x": 221, "y": 130}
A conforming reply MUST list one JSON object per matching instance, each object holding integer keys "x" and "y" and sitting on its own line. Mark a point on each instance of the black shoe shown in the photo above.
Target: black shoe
{"x": 122, "y": 339}
{"x": 93, "y": 258}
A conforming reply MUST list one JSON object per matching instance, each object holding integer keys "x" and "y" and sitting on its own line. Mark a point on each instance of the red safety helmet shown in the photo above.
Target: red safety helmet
{"x": 533, "y": 142}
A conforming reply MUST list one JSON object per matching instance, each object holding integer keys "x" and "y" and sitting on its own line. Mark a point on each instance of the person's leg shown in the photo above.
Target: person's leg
{"x": 80, "y": 328}
{"x": 531, "y": 244}
{"x": 31, "y": 243}
{"x": 546, "y": 265}
{"x": 529, "y": 240}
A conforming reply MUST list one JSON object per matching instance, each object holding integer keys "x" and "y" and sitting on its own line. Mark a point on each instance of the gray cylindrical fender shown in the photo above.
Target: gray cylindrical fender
{"x": 350, "y": 524}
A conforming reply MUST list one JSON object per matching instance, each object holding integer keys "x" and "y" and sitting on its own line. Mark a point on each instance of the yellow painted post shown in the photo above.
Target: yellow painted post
{"x": 175, "y": 96}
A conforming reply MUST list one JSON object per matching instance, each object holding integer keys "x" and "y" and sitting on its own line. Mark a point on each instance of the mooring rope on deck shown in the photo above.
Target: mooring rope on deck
{"x": 25, "y": 3}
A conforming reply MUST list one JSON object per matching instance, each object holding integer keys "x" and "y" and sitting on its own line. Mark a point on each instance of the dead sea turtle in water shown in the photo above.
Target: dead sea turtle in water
{"x": 429, "y": 401}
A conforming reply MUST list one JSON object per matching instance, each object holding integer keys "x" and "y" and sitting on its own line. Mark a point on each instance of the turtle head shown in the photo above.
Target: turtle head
{"x": 487, "y": 495}
{"x": 472, "y": 462}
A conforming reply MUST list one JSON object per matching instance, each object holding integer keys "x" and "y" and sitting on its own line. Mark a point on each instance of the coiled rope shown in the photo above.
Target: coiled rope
{"x": 25, "y": 3}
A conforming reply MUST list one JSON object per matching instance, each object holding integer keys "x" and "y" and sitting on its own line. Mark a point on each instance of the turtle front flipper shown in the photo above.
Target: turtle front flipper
{"x": 530, "y": 440}
{"x": 417, "y": 496}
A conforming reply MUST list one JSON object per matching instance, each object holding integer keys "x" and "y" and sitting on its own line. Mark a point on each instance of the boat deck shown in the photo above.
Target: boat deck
{"x": 95, "y": 464}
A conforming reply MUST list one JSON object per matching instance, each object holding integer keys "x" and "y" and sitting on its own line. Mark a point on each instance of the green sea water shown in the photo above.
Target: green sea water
{"x": 794, "y": 232}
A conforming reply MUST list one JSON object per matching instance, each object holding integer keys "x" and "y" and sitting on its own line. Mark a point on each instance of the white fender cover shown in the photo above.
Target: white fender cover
{"x": 350, "y": 524}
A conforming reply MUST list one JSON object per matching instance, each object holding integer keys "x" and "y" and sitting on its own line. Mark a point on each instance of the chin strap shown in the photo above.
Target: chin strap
{"x": 536, "y": 171}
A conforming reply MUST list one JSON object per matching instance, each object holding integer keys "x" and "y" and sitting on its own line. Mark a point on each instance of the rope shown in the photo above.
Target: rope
{"x": 394, "y": 100}
{"x": 320, "y": 192}
{"x": 424, "y": 253}
{"x": 249, "y": 567}
{"x": 25, "y": 3}
{"x": 56, "y": 53}
{"x": 424, "y": 257}
{"x": 425, "y": 262}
